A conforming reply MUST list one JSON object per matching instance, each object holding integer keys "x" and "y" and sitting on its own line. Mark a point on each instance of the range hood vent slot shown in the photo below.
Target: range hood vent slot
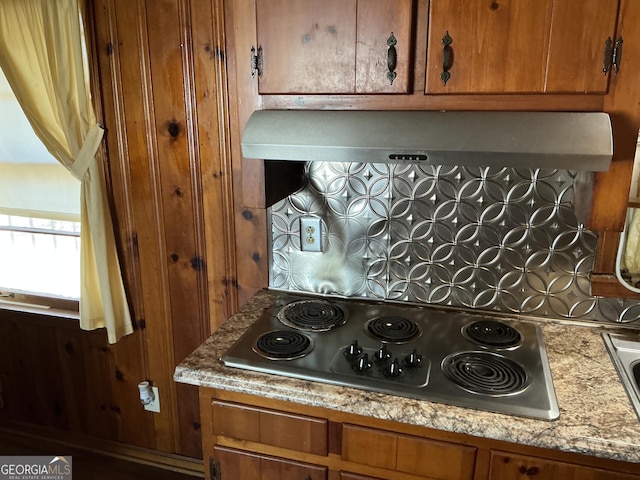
{"x": 556, "y": 140}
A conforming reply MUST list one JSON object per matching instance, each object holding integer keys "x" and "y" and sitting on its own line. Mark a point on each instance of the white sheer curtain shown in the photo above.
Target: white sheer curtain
{"x": 43, "y": 57}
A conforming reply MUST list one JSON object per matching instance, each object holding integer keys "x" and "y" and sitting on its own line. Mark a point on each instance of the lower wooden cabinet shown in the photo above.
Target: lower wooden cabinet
{"x": 407, "y": 453}
{"x": 252, "y": 438}
{"x": 507, "y": 466}
{"x": 233, "y": 464}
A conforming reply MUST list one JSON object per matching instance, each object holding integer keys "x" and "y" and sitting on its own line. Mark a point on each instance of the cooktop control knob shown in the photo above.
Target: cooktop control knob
{"x": 382, "y": 354}
{"x": 393, "y": 369}
{"x": 353, "y": 350}
{"x": 363, "y": 364}
{"x": 412, "y": 360}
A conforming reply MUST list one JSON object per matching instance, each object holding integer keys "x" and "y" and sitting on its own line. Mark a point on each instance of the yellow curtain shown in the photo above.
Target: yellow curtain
{"x": 631, "y": 257}
{"x": 43, "y": 57}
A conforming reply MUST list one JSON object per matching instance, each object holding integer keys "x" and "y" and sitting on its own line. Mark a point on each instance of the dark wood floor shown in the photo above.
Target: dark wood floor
{"x": 88, "y": 465}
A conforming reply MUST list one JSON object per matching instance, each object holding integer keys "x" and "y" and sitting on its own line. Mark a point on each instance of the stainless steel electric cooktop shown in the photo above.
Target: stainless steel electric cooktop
{"x": 451, "y": 357}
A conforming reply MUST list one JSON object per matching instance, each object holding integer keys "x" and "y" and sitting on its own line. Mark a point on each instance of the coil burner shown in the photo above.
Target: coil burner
{"x": 485, "y": 373}
{"x": 283, "y": 345}
{"x": 312, "y": 315}
{"x": 393, "y": 329}
{"x": 491, "y": 333}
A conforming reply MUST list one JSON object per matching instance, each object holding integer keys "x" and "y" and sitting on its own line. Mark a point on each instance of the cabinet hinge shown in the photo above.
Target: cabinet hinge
{"x": 612, "y": 56}
{"x": 214, "y": 469}
{"x": 256, "y": 61}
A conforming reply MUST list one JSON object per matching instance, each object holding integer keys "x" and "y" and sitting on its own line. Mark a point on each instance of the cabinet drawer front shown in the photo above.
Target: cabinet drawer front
{"x": 241, "y": 465}
{"x": 269, "y": 427}
{"x": 369, "y": 447}
{"x": 405, "y": 453}
{"x": 508, "y": 466}
{"x": 442, "y": 460}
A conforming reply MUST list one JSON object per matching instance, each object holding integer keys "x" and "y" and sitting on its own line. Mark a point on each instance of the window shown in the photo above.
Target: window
{"x": 39, "y": 213}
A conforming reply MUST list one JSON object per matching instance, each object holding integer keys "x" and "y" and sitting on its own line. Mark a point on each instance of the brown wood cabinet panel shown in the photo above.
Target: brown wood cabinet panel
{"x": 410, "y": 454}
{"x": 377, "y": 20}
{"x": 279, "y": 429}
{"x": 507, "y": 466}
{"x": 241, "y": 465}
{"x": 499, "y": 46}
{"x": 307, "y": 47}
{"x": 576, "y": 51}
{"x": 369, "y": 447}
{"x": 236, "y": 421}
{"x": 442, "y": 460}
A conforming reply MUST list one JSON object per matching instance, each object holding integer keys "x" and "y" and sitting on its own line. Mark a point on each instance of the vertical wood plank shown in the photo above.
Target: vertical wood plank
{"x": 11, "y": 393}
{"x": 170, "y": 64}
{"x": 248, "y": 175}
{"x": 85, "y": 370}
{"x": 212, "y": 100}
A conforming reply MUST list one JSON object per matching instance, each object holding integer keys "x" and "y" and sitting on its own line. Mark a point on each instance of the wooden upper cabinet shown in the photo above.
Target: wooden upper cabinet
{"x": 519, "y": 46}
{"x": 383, "y": 36}
{"x": 334, "y": 46}
{"x": 579, "y": 33}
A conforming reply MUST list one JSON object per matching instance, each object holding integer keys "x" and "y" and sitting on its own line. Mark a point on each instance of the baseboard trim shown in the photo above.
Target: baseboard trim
{"x": 56, "y": 437}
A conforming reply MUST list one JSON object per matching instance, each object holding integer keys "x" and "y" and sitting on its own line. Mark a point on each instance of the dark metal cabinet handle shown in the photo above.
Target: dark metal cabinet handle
{"x": 447, "y": 58}
{"x": 392, "y": 58}
{"x": 608, "y": 55}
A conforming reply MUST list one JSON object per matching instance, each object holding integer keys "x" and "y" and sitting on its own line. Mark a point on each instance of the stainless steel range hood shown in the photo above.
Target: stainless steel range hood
{"x": 572, "y": 141}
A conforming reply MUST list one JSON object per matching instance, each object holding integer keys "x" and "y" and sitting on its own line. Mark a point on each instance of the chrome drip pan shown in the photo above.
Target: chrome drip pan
{"x": 470, "y": 360}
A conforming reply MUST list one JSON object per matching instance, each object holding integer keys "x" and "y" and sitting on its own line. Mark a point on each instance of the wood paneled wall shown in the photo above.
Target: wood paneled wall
{"x": 56, "y": 375}
{"x": 161, "y": 92}
{"x": 163, "y": 77}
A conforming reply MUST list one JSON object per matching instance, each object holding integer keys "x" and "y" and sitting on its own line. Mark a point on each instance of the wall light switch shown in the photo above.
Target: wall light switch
{"x": 311, "y": 234}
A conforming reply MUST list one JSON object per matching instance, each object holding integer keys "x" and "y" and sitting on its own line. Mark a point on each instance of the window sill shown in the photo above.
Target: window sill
{"x": 50, "y": 307}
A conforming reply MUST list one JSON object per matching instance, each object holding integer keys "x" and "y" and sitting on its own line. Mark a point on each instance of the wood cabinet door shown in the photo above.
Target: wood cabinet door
{"x": 234, "y": 464}
{"x": 334, "y": 46}
{"x": 408, "y": 453}
{"x": 269, "y": 427}
{"x": 384, "y": 32}
{"x": 507, "y": 466}
{"x": 498, "y": 46}
{"x": 308, "y": 46}
{"x": 579, "y": 33}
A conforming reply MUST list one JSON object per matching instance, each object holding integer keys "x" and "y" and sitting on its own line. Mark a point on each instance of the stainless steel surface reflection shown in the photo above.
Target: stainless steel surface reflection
{"x": 504, "y": 369}
{"x": 501, "y": 239}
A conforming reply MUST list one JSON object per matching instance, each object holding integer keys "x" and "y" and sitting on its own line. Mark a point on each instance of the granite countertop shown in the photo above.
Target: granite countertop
{"x": 596, "y": 416}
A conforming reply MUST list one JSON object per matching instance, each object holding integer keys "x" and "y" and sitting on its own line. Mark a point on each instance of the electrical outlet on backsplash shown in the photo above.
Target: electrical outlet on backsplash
{"x": 494, "y": 239}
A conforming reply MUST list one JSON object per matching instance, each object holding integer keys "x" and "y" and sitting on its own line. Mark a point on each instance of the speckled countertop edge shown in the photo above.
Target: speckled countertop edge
{"x": 596, "y": 416}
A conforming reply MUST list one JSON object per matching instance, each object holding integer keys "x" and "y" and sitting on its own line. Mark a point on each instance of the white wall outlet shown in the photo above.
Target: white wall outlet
{"x": 154, "y": 405}
{"x": 311, "y": 234}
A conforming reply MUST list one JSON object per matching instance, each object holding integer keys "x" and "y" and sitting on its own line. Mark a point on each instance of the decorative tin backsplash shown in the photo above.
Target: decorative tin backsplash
{"x": 492, "y": 239}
